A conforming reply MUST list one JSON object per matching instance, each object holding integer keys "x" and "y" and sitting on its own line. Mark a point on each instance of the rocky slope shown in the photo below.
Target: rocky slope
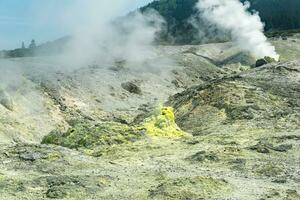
{"x": 102, "y": 131}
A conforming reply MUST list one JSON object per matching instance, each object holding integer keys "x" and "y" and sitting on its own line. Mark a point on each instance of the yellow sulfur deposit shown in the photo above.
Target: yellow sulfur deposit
{"x": 162, "y": 124}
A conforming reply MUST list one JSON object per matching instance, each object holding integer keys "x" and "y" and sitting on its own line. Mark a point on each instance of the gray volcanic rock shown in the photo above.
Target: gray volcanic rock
{"x": 131, "y": 87}
{"x": 260, "y": 62}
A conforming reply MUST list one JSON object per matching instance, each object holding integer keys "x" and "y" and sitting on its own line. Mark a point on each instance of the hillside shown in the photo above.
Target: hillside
{"x": 276, "y": 14}
{"x": 124, "y": 109}
{"x": 193, "y": 122}
{"x": 49, "y": 48}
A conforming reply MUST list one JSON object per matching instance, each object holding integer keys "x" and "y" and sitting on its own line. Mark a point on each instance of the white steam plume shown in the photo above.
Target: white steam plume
{"x": 100, "y": 35}
{"x": 246, "y": 29}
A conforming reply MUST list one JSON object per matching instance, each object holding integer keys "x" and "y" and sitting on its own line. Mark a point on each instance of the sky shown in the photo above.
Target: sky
{"x": 24, "y": 20}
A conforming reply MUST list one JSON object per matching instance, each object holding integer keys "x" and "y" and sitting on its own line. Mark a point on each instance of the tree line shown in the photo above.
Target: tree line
{"x": 279, "y": 16}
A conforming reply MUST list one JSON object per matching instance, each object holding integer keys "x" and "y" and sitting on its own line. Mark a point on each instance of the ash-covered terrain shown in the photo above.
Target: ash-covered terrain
{"x": 192, "y": 122}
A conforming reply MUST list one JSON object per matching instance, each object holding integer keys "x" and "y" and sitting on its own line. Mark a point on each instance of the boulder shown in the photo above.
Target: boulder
{"x": 131, "y": 87}
{"x": 261, "y": 62}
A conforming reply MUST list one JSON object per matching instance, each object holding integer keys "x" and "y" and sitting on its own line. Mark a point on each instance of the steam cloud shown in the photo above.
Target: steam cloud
{"x": 245, "y": 29}
{"x": 99, "y": 34}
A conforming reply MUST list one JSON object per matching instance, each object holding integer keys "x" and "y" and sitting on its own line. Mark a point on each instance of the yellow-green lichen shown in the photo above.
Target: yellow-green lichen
{"x": 53, "y": 156}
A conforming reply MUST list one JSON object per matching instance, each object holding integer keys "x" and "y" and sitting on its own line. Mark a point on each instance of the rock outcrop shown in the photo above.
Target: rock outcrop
{"x": 265, "y": 98}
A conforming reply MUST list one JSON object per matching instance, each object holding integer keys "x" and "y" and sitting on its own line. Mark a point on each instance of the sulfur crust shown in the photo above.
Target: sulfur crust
{"x": 162, "y": 124}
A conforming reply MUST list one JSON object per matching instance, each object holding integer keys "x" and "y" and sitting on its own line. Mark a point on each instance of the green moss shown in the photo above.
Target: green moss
{"x": 67, "y": 187}
{"x": 203, "y": 156}
{"x": 269, "y": 59}
{"x": 91, "y": 135}
{"x": 269, "y": 170}
{"x": 279, "y": 194}
{"x": 11, "y": 185}
{"x": 190, "y": 188}
{"x": 52, "y": 138}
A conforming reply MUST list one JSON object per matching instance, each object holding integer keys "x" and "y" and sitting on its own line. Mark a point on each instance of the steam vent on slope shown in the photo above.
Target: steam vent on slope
{"x": 140, "y": 112}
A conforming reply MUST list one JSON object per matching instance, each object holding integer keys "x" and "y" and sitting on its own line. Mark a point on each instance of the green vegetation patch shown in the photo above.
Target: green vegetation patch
{"x": 190, "y": 188}
{"x": 11, "y": 185}
{"x": 269, "y": 170}
{"x": 92, "y": 136}
{"x": 73, "y": 187}
{"x": 88, "y": 135}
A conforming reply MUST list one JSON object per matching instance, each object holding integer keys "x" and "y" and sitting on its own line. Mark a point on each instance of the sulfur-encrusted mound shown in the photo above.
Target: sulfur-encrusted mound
{"x": 91, "y": 136}
{"x": 162, "y": 124}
